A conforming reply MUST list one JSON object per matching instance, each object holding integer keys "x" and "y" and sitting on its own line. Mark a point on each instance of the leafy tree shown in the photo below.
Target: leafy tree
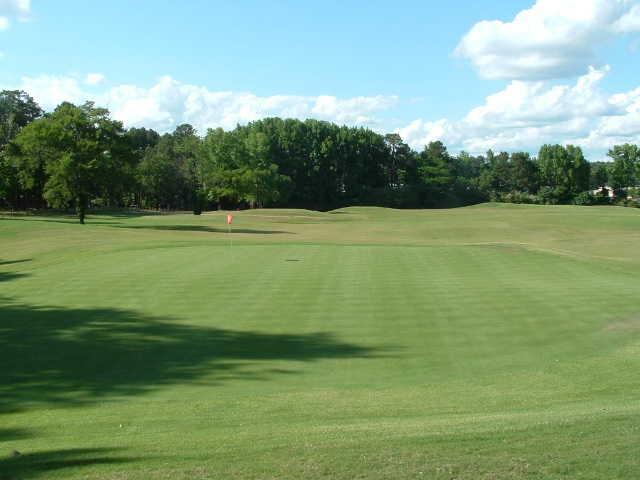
{"x": 497, "y": 178}
{"x": 169, "y": 172}
{"x": 469, "y": 166}
{"x": 73, "y": 152}
{"x": 135, "y": 144}
{"x": 554, "y": 164}
{"x": 624, "y": 170}
{"x": 525, "y": 173}
{"x": 139, "y": 139}
{"x": 579, "y": 171}
{"x": 28, "y": 155}
{"x": 237, "y": 167}
{"x": 599, "y": 176}
{"x": 186, "y": 152}
{"x": 261, "y": 184}
{"x": 160, "y": 176}
{"x": 468, "y": 172}
{"x": 17, "y": 110}
{"x": 436, "y": 172}
{"x": 9, "y": 186}
{"x": 400, "y": 159}
{"x": 220, "y": 161}
{"x": 564, "y": 170}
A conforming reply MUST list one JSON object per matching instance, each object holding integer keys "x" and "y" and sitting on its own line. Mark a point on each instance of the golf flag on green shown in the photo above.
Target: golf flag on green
{"x": 229, "y": 222}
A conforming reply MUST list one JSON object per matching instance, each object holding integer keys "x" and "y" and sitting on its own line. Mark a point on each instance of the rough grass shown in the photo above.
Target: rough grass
{"x": 491, "y": 342}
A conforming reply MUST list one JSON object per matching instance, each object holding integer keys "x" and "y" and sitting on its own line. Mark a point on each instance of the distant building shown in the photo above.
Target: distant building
{"x": 632, "y": 192}
{"x": 606, "y": 190}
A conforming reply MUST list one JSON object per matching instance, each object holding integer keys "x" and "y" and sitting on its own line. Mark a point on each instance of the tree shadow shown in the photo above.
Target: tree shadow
{"x": 39, "y": 464}
{"x": 12, "y": 262}
{"x": 67, "y": 220}
{"x": 204, "y": 228}
{"x": 125, "y": 213}
{"x": 12, "y": 434}
{"x": 6, "y": 276}
{"x": 73, "y": 356}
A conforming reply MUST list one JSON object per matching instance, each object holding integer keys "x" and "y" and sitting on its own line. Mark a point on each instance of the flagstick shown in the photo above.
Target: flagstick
{"x": 230, "y": 238}
{"x": 229, "y": 222}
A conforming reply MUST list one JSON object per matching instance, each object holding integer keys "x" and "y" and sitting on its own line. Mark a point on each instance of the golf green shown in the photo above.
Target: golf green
{"x": 488, "y": 342}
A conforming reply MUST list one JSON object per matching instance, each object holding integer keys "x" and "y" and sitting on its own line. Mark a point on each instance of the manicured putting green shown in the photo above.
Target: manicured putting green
{"x": 486, "y": 342}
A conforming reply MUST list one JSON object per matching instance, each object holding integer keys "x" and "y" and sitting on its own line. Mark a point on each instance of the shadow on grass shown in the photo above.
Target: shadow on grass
{"x": 72, "y": 356}
{"x": 204, "y": 228}
{"x": 68, "y": 220}
{"x": 6, "y": 276}
{"x": 12, "y": 262}
{"x": 12, "y": 434}
{"x": 128, "y": 213}
{"x": 41, "y": 464}
{"x": 91, "y": 213}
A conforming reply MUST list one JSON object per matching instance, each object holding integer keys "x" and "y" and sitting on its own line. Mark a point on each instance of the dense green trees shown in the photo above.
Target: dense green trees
{"x": 169, "y": 170}
{"x": 77, "y": 156}
{"x": 564, "y": 172}
{"x": 17, "y": 110}
{"x": 436, "y": 174}
{"x": 70, "y": 156}
{"x": 625, "y": 169}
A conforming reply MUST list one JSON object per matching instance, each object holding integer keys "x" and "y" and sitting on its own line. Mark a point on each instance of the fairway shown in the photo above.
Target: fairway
{"x": 487, "y": 342}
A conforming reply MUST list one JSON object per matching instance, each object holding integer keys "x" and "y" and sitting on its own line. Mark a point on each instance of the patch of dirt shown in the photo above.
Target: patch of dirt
{"x": 627, "y": 325}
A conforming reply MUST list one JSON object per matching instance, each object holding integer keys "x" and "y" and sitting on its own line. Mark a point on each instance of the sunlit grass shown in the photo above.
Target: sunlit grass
{"x": 488, "y": 342}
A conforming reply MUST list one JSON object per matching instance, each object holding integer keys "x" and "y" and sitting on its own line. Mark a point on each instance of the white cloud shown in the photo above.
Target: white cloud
{"x": 552, "y": 39}
{"x": 357, "y": 110}
{"x": 629, "y": 22}
{"x": 624, "y": 128}
{"x": 420, "y": 132}
{"x": 13, "y": 8}
{"x": 525, "y": 115}
{"x": 522, "y": 116}
{"x": 94, "y": 78}
{"x": 50, "y": 90}
{"x": 169, "y": 102}
{"x": 523, "y": 104}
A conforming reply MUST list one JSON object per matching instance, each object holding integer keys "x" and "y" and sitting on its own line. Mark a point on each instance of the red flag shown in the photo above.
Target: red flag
{"x": 229, "y": 219}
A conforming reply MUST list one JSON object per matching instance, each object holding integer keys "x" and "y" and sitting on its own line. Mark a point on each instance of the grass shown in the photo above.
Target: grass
{"x": 489, "y": 342}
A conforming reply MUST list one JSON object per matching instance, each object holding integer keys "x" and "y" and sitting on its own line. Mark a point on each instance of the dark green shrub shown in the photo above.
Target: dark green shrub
{"x": 585, "y": 198}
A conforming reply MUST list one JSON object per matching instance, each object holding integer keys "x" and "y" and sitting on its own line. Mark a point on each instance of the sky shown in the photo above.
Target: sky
{"x": 477, "y": 75}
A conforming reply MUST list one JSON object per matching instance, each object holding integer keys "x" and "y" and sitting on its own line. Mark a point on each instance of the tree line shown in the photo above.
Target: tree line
{"x": 77, "y": 156}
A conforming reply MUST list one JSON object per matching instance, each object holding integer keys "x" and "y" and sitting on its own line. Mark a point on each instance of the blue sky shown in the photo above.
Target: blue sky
{"x": 477, "y": 74}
